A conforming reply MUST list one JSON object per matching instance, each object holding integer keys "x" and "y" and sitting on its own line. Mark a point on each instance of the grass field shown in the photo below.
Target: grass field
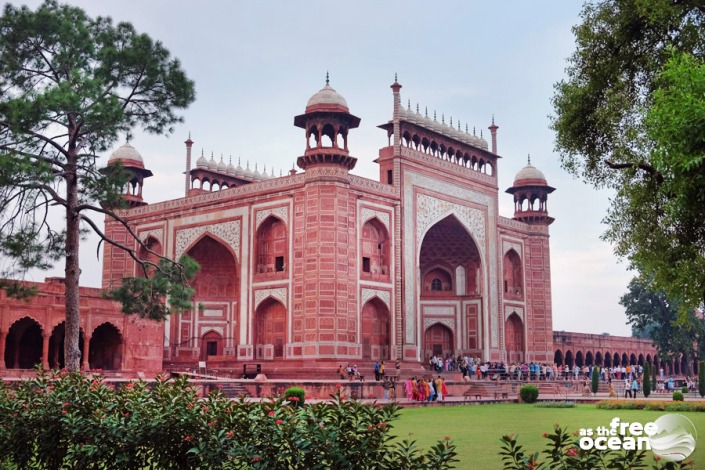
{"x": 476, "y": 429}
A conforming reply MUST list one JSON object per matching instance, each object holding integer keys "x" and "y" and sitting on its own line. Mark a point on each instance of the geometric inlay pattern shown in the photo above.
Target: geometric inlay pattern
{"x": 449, "y": 322}
{"x": 157, "y": 233}
{"x": 507, "y": 245}
{"x": 367, "y": 213}
{"x": 508, "y": 310}
{"x": 229, "y": 232}
{"x": 383, "y": 295}
{"x": 278, "y": 293}
{"x": 281, "y": 212}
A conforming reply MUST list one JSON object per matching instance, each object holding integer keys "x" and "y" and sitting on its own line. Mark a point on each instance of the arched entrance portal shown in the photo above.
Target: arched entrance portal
{"x": 375, "y": 330}
{"x": 105, "y": 349}
{"x": 270, "y": 329}
{"x": 211, "y": 345}
{"x": 56, "y": 346}
{"x": 451, "y": 272}
{"x": 438, "y": 341}
{"x": 514, "y": 334}
{"x": 23, "y": 346}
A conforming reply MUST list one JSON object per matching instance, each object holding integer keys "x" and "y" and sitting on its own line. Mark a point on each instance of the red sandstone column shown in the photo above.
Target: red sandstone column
{"x": 45, "y": 352}
{"x": 2, "y": 350}
{"x": 86, "y": 350}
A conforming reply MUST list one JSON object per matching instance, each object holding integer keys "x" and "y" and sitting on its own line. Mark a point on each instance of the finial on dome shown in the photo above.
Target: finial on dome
{"x": 451, "y": 121}
{"x": 466, "y": 128}
{"x": 327, "y": 78}
{"x": 443, "y": 118}
{"x": 426, "y": 111}
{"x": 493, "y": 119}
{"x": 459, "y": 130}
{"x": 481, "y": 134}
{"x": 473, "y": 131}
{"x": 528, "y": 158}
{"x": 221, "y": 156}
{"x": 434, "y": 114}
{"x": 201, "y": 151}
{"x": 408, "y": 105}
{"x": 417, "y": 108}
{"x": 189, "y": 134}
{"x": 395, "y": 76}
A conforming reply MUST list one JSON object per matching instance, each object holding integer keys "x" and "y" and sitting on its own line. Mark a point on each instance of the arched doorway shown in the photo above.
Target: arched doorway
{"x": 569, "y": 359}
{"x": 514, "y": 335}
{"x": 579, "y": 359}
{"x": 558, "y": 357}
{"x": 375, "y": 330}
{"x": 24, "y": 344}
{"x": 588, "y": 359}
{"x": 438, "y": 341}
{"x": 211, "y": 345}
{"x": 270, "y": 329}
{"x": 56, "y": 346}
{"x": 271, "y": 247}
{"x": 375, "y": 251}
{"x": 598, "y": 359}
{"x": 105, "y": 348}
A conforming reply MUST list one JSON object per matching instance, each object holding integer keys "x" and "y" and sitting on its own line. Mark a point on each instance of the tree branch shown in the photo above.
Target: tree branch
{"x": 641, "y": 166}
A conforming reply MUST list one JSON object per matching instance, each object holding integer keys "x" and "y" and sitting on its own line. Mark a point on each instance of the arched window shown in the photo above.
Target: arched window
{"x": 271, "y": 249}
{"x": 436, "y": 285}
{"x": 375, "y": 251}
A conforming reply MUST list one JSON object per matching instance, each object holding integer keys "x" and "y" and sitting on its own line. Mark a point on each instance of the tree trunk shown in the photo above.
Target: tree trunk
{"x": 72, "y": 353}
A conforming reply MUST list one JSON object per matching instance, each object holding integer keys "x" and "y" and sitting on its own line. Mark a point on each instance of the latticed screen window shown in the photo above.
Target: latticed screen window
{"x": 436, "y": 285}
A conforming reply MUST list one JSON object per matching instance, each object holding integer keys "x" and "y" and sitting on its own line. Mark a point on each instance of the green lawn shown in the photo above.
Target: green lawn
{"x": 476, "y": 429}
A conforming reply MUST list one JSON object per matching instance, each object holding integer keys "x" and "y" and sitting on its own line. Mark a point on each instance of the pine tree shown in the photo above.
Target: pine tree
{"x": 595, "y": 379}
{"x": 647, "y": 380}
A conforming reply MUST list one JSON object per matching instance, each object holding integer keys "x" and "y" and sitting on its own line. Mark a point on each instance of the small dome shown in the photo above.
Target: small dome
{"x": 230, "y": 169}
{"x": 202, "y": 162}
{"x": 127, "y": 154}
{"x": 222, "y": 166}
{"x": 239, "y": 172}
{"x": 327, "y": 97}
{"x": 530, "y": 176}
{"x": 248, "y": 175}
{"x": 212, "y": 164}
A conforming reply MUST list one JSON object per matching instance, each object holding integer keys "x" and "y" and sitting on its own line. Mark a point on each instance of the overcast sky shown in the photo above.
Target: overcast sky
{"x": 255, "y": 64}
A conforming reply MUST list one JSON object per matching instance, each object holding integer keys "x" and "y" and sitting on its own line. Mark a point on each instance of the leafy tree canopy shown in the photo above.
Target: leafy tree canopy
{"x": 630, "y": 116}
{"x": 70, "y": 86}
{"x": 671, "y": 332}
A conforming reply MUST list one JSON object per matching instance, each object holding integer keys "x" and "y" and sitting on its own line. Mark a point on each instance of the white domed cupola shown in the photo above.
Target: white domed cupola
{"x": 327, "y": 121}
{"x": 530, "y": 191}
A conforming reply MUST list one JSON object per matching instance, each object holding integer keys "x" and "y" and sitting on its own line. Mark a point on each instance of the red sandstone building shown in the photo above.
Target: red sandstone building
{"x": 325, "y": 267}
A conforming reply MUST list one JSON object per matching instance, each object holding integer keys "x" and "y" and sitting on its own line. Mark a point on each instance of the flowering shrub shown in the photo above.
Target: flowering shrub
{"x": 59, "y": 420}
{"x": 563, "y": 452}
{"x": 295, "y": 395}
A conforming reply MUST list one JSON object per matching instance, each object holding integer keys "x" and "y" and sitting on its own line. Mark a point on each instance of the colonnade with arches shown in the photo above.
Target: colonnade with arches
{"x": 27, "y": 343}
{"x": 571, "y": 357}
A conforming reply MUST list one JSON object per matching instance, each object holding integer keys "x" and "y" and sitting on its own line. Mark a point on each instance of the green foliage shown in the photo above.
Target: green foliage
{"x": 701, "y": 378}
{"x": 630, "y": 116}
{"x": 144, "y": 296}
{"x": 652, "y": 405}
{"x": 71, "y": 86}
{"x": 295, "y": 395}
{"x": 595, "y": 383}
{"x": 677, "y": 396}
{"x": 647, "y": 380}
{"x": 555, "y": 404}
{"x": 66, "y": 420}
{"x": 653, "y": 378}
{"x": 529, "y": 393}
{"x": 673, "y": 332}
{"x": 563, "y": 451}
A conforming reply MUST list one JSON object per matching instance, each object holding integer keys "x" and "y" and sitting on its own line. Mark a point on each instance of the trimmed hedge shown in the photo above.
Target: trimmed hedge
{"x": 698, "y": 406}
{"x": 529, "y": 393}
{"x": 295, "y": 395}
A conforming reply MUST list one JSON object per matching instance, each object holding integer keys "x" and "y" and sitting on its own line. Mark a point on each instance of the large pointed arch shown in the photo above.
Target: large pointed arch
{"x": 514, "y": 339}
{"x": 24, "y": 344}
{"x": 218, "y": 279}
{"x": 56, "y": 345}
{"x": 375, "y": 250}
{"x": 270, "y": 329}
{"x": 271, "y": 246}
{"x": 105, "y": 349}
{"x": 438, "y": 340}
{"x": 375, "y": 330}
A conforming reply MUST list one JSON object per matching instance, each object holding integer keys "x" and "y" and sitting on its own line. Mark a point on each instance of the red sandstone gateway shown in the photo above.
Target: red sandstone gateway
{"x": 306, "y": 271}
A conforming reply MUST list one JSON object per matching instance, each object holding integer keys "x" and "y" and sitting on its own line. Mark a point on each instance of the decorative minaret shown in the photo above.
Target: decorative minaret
{"x": 396, "y": 88}
{"x": 189, "y": 144}
{"x": 493, "y": 132}
{"x": 132, "y": 162}
{"x": 327, "y": 116}
{"x": 531, "y": 192}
